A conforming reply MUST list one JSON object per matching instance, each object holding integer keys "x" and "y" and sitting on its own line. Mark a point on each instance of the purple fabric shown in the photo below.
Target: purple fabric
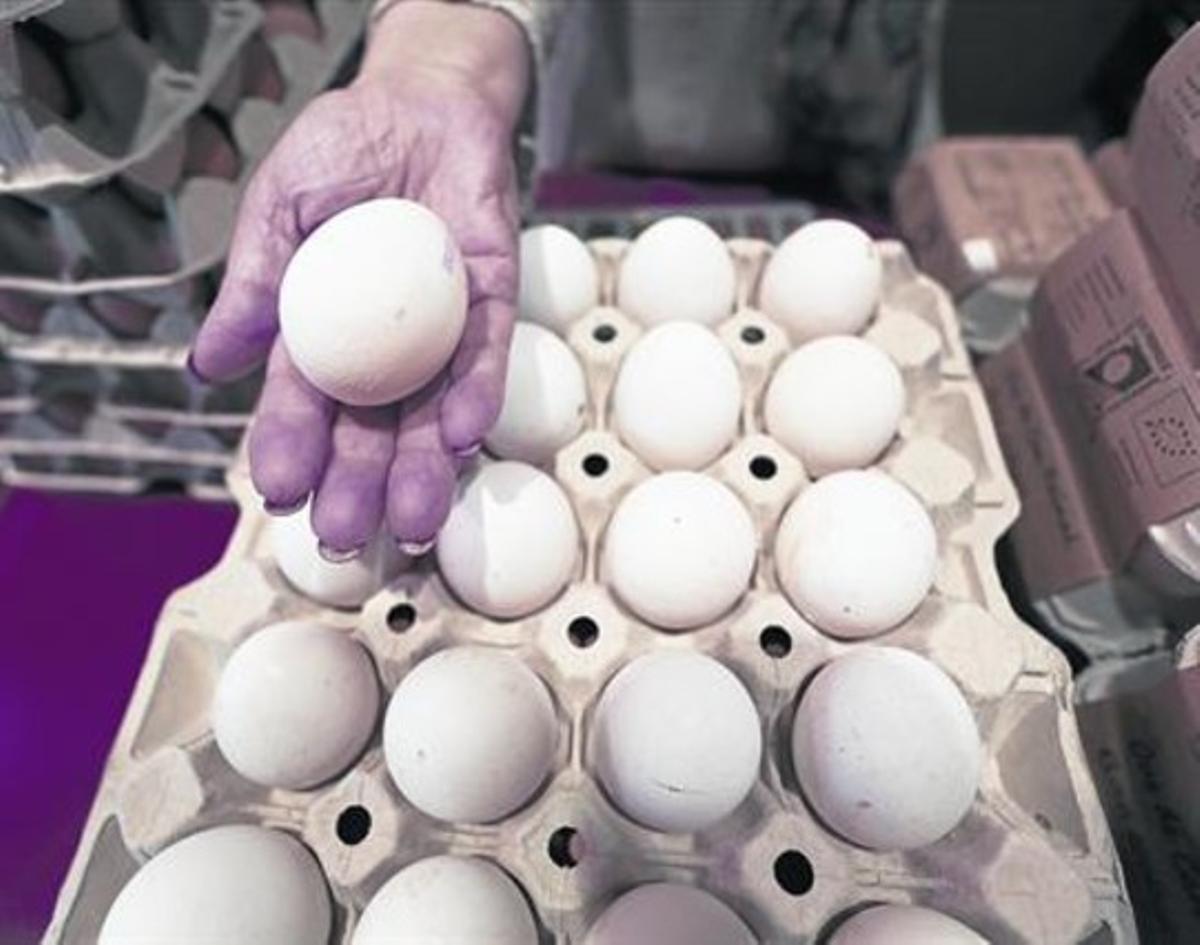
{"x": 81, "y": 583}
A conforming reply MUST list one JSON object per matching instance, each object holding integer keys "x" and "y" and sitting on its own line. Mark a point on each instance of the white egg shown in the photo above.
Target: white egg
{"x": 886, "y": 749}
{"x": 824, "y": 279}
{"x": 373, "y": 303}
{"x": 904, "y": 925}
{"x": 470, "y": 735}
{"x": 447, "y": 900}
{"x": 545, "y": 398}
{"x": 677, "y": 269}
{"x": 511, "y": 542}
{"x": 669, "y": 914}
{"x": 856, "y": 553}
{"x": 558, "y": 281}
{"x": 677, "y": 741}
{"x": 295, "y": 705}
{"x": 678, "y": 397}
{"x": 237, "y": 885}
{"x": 680, "y": 550}
{"x": 836, "y": 403}
{"x": 346, "y": 584}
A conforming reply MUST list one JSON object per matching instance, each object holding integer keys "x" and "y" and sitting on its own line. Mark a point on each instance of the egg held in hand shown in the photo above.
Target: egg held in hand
{"x": 373, "y": 303}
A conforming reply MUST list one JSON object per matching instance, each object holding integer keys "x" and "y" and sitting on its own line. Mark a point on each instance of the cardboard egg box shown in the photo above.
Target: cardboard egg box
{"x": 1139, "y": 720}
{"x": 120, "y": 251}
{"x": 104, "y": 85}
{"x": 987, "y": 215}
{"x": 1031, "y": 863}
{"x": 1098, "y": 406}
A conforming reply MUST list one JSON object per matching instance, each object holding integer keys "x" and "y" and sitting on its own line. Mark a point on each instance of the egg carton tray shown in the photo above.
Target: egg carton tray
{"x": 1032, "y": 862}
{"x": 115, "y": 475}
{"x": 141, "y": 238}
{"x": 102, "y": 85}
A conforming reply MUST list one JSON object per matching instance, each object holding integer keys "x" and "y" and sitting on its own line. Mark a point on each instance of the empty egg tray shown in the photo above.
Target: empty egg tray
{"x": 102, "y": 84}
{"x": 1032, "y": 862}
{"x": 136, "y": 241}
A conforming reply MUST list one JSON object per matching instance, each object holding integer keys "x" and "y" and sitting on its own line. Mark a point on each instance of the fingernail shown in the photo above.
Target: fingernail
{"x": 415, "y": 549}
{"x": 469, "y": 451}
{"x": 280, "y": 509}
{"x": 336, "y": 556}
{"x": 193, "y": 370}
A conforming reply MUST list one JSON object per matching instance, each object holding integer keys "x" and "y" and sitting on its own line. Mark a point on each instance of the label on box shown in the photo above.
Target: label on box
{"x": 974, "y": 208}
{"x": 1144, "y": 751}
{"x": 1165, "y": 152}
{"x": 1116, "y": 367}
{"x": 1055, "y": 537}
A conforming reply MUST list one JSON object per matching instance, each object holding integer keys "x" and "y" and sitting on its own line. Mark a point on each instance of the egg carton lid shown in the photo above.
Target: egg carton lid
{"x": 38, "y": 154}
{"x": 1032, "y": 863}
{"x": 204, "y": 209}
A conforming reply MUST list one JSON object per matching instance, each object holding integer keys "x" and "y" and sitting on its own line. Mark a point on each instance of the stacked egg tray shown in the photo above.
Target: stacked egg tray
{"x": 111, "y": 245}
{"x": 88, "y": 427}
{"x": 1032, "y": 862}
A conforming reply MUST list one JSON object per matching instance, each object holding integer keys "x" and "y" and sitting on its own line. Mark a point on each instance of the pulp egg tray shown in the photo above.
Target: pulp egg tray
{"x": 98, "y": 428}
{"x": 103, "y": 85}
{"x": 168, "y": 218}
{"x": 1032, "y": 862}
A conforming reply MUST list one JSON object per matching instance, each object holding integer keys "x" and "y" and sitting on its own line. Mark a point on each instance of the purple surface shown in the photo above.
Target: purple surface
{"x": 82, "y": 580}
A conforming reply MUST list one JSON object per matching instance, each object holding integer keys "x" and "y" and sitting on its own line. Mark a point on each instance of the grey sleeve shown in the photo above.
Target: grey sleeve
{"x": 539, "y": 20}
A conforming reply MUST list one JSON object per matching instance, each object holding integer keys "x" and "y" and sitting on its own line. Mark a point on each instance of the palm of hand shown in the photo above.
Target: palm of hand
{"x": 396, "y": 464}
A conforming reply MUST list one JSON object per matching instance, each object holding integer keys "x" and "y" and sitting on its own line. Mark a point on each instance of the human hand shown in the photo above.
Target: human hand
{"x": 430, "y": 118}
